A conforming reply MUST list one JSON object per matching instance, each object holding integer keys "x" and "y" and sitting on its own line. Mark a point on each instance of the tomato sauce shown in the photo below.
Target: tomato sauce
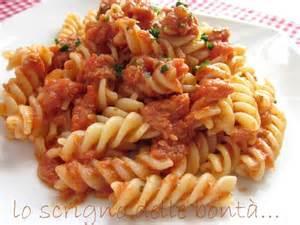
{"x": 55, "y": 93}
{"x": 165, "y": 115}
{"x": 221, "y": 49}
{"x": 97, "y": 67}
{"x": 46, "y": 170}
{"x": 221, "y": 34}
{"x": 167, "y": 149}
{"x": 84, "y": 111}
{"x": 141, "y": 12}
{"x": 179, "y": 22}
{"x": 211, "y": 90}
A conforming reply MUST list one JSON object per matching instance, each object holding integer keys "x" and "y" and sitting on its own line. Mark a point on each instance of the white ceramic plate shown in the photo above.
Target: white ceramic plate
{"x": 276, "y": 197}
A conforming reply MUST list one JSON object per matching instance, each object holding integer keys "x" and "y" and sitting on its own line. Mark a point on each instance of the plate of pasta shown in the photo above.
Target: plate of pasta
{"x": 124, "y": 112}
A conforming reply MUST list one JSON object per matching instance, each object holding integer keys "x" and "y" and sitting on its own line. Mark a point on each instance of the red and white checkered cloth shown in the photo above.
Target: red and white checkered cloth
{"x": 212, "y": 7}
{"x": 10, "y": 7}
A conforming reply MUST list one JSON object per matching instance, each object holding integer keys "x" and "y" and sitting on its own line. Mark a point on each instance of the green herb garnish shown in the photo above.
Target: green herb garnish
{"x": 154, "y": 31}
{"x": 64, "y": 48}
{"x": 275, "y": 101}
{"x": 118, "y": 69}
{"x": 209, "y": 45}
{"x": 106, "y": 18}
{"x": 204, "y": 37}
{"x": 56, "y": 41}
{"x": 201, "y": 66}
{"x": 164, "y": 68}
{"x": 77, "y": 42}
{"x": 179, "y": 3}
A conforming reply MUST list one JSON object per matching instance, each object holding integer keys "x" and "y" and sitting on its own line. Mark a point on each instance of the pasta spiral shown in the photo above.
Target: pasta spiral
{"x": 138, "y": 41}
{"x": 28, "y": 122}
{"x": 188, "y": 47}
{"x": 223, "y": 160}
{"x": 111, "y": 134}
{"x": 75, "y": 65}
{"x": 226, "y": 119}
{"x": 90, "y": 17}
{"x": 78, "y": 177}
{"x": 136, "y": 195}
{"x": 263, "y": 153}
{"x": 106, "y": 96}
{"x": 21, "y": 55}
{"x": 198, "y": 153}
{"x": 141, "y": 42}
{"x": 72, "y": 27}
{"x": 110, "y": 170}
{"x": 216, "y": 117}
{"x": 163, "y": 78}
{"x": 265, "y": 97}
{"x": 31, "y": 65}
{"x": 244, "y": 104}
{"x": 149, "y": 106}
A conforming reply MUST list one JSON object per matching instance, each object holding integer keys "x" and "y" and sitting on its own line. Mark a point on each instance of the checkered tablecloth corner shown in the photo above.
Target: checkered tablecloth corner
{"x": 211, "y": 7}
{"x": 222, "y": 8}
{"x": 9, "y": 8}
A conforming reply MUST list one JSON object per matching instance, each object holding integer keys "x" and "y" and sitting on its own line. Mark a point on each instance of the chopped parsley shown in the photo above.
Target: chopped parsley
{"x": 164, "y": 68}
{"x": 179, "y": 3}
{"x": 64, "y": 48}
{"x": 155, "y": 32}
{"x": 275, "y": 102}
{"x": 209, "y": 45}
{"x": 56, "y": 41}
{"x": 118, "y": 69}
{"x": 77, "y": 42}
{"x": 106, "y": 18}
{"x": 201, "y": 66}
{"x": 204, "y": 37}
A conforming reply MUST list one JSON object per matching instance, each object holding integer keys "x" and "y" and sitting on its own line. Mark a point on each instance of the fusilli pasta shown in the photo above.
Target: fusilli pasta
{"x": 136, "y": 195}
{"x": 151, "y": 106}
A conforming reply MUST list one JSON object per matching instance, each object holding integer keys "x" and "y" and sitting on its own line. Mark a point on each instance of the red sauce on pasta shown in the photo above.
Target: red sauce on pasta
{"x": 97, "y": 67}
{"x": 46, "y": 170}
{"x": 62, "y": 50}
{"x": 141, "y": 12}
{"x": 266, "y": 118}
{"x": 135, "y": 74}
{"x": 84, "y": 111}
{"x": 36, "y": 64}
{"x": 56, "y": 93}
{"x": 221, "y": 34}
{"x": 173, "y": 150}
{"x": 180, "y": 66}
{"x": 73, "y": 171}
{"x": 179, "y": 21}
{"x": 242, "y": 136}
{"x": 222, "y": 50}
{"x": 211, "y": 90}
{"x": 99, "y": 35}
{"x": 165, "y": 115}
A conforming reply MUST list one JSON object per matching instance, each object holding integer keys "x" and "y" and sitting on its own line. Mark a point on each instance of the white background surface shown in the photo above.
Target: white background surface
{"x": 276, "y": 195}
